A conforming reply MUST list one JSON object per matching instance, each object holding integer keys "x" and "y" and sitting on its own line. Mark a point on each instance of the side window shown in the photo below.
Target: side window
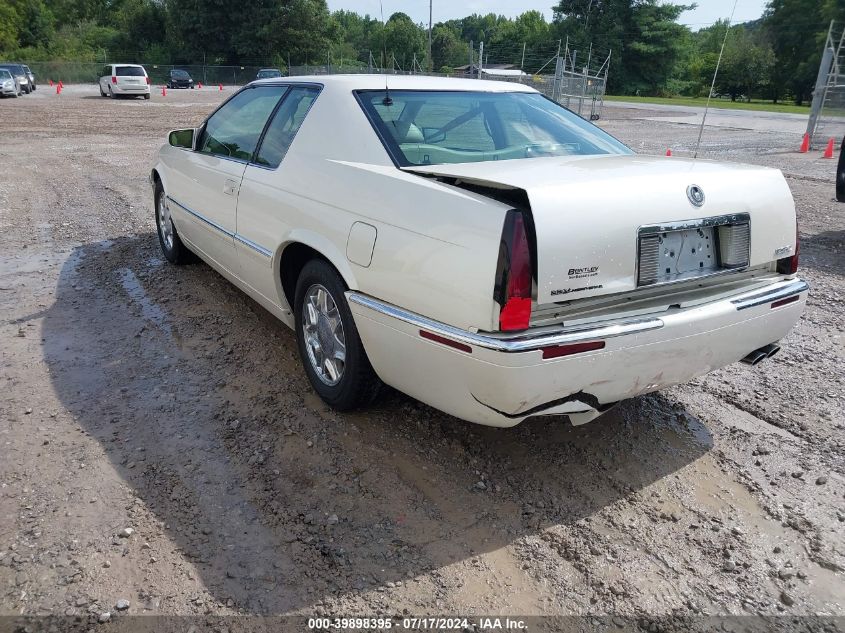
{"x": 285, "y": 125}
{"x": 233, "y": 131}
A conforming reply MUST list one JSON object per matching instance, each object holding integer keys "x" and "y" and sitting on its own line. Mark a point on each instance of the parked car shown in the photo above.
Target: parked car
{"x": 117, "y": 80}
{"x": 269, "y": 73}
{"x": 478, "y": 246}
{"x": 20, "y": 76}
{"x": 30, "y": 76}
{"x": 180, "y": 79}
{"x": 840, "y": 174}
{"x": 9, "y": 86}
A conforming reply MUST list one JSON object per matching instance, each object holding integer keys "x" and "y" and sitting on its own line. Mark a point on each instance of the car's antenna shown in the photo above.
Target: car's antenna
{"x": 713, "y": 84}
{"x": 387, "y": 101}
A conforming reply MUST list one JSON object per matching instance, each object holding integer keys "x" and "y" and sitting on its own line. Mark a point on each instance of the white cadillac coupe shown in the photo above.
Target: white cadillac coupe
{"x": 478, "y": 246}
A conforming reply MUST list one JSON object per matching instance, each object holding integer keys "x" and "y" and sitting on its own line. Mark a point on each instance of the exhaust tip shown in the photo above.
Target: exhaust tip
{"x": 758, "y": 355}
{"x": 772, "y": 350}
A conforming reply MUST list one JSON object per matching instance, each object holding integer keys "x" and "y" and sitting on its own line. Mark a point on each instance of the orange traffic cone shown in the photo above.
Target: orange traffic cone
{"x": 51, "y": 83}
{"x": 61, "y": 83}
{"x": 58, "y": 89}
{"x": 164, "y": 91}
{"x": 199, "y": 85}
{"x": 669, "y": 152}
{"x": 828, "y": 151}
{"x": 805, "y": 144}
{"x": 221, "y": 87}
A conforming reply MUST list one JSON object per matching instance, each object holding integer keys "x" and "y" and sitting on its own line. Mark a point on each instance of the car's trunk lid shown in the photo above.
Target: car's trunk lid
{"x": 588, "y": 212}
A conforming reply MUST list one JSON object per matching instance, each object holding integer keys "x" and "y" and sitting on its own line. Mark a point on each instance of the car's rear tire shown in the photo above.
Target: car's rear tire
{"x": 146, "y": 96}
{"x": 102, "y": 94}
{"x": 172, "y": 247}
{"x": 111, "y": 94}
{"x": 329, "y": 346}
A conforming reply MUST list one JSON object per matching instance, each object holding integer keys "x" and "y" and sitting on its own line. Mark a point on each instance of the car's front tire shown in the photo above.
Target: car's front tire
{"x": 329, "y": 346}
{"x": 172, "y": 247}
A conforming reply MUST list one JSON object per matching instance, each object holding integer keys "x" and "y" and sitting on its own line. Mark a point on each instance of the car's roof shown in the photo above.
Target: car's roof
{"x": 135, "y": 65}
{"x": 263, "y": 69}
{"x": 405, "y": 82}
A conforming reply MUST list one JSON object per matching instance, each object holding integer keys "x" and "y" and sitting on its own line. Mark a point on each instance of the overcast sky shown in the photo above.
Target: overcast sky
{"x": 708, "y": 11}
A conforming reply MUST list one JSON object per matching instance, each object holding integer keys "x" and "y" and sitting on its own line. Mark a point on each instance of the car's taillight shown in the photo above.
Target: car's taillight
{"x": 114, "y": 79}
{"x": 148, "y": 81}
{"x": 514, "y": 274}
{"x": 789, "y": 265}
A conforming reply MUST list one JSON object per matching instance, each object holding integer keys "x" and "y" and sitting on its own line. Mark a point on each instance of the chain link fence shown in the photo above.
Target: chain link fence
{"x": 90, "y": 72}
{"x": 581, "y": 88}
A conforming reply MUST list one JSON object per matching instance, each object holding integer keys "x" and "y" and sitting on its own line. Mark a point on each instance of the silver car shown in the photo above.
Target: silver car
{"x": 20, "y": 76}
{"x": 9, "y": 86}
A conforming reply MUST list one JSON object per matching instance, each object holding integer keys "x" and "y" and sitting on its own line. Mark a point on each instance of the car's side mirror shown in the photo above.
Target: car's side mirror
{"x": 182, "y": 138}
{"x": 840, "y": 174}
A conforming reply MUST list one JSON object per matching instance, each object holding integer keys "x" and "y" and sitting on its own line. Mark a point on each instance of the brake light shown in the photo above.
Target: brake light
{"x": 789, "y": 265}
{"x": 114, "y": 79}
{"x": 148, "y": 81}
{"x": 513, "y": 274}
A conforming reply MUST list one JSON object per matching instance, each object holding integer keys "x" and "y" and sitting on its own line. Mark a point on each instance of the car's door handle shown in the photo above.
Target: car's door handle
{"x": 230, "y": 186}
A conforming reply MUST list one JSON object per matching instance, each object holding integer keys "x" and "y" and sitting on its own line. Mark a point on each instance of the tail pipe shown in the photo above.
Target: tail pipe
{"x": 759, "y": 355}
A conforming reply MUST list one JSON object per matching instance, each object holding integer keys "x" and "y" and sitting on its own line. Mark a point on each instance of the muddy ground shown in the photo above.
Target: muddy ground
{"x": 160, "y": 444}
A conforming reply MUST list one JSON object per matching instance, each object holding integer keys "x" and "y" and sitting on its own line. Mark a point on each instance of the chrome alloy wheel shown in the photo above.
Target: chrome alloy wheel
{"x": 325, "y": 341}
{"x": 165, "y": 224}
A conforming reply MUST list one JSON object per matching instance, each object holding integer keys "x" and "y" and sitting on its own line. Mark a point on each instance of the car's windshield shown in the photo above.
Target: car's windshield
{"x": 438, "y": 127}
{"x": 13, "y": 68}
{"x": 181, "y": 74}
{"x": 129, "y": 71}
{"x": 5, "y": 74}
{"x": 269, "y": 74}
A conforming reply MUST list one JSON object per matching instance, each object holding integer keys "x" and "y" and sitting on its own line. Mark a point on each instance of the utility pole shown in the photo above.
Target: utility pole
{"x": 522, "y": 64}
{"x": 480, "y": 58}
{"x": 430, "y": 14}
{"x": 471, "y": 60}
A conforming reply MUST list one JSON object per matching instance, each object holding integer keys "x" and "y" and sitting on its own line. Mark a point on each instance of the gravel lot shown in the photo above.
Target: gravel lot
{"x": 161, "y": 445}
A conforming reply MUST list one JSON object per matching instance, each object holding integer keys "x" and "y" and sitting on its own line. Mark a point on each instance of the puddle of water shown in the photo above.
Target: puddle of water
{"x": 150, "y": 310}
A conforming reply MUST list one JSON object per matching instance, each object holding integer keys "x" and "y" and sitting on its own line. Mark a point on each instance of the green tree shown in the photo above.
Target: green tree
{"x": 447, "y": 49}
{"x": 797, "y": 31}
{"x": 643, "y": 35}
{"x": 400, "y": 39}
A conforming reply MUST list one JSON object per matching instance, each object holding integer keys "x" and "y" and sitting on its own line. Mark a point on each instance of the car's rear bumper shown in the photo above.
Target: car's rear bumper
{"x": 499, "y": 379}
{"x": 140, "y": 89}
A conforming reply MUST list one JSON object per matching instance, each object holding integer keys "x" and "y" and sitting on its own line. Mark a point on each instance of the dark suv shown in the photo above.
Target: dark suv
{"x": 180, "y": 79}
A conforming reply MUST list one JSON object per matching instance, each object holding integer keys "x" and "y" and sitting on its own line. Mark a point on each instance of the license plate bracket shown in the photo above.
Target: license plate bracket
{"x": 688, "y": 250}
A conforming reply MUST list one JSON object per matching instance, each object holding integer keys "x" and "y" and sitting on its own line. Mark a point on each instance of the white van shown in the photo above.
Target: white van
{"x": 124, "y": 79}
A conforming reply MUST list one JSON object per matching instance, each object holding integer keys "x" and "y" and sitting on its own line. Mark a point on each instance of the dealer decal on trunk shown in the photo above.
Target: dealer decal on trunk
{"x": 582, "y": 273}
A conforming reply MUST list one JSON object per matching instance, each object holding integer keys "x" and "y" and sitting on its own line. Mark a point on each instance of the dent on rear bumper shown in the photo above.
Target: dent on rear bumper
{"x": 503, "y": 378}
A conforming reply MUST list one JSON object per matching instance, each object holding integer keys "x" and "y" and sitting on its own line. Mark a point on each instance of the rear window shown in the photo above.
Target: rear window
{"x": 130, "y": 71}
{"x": 441, "y": 127}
